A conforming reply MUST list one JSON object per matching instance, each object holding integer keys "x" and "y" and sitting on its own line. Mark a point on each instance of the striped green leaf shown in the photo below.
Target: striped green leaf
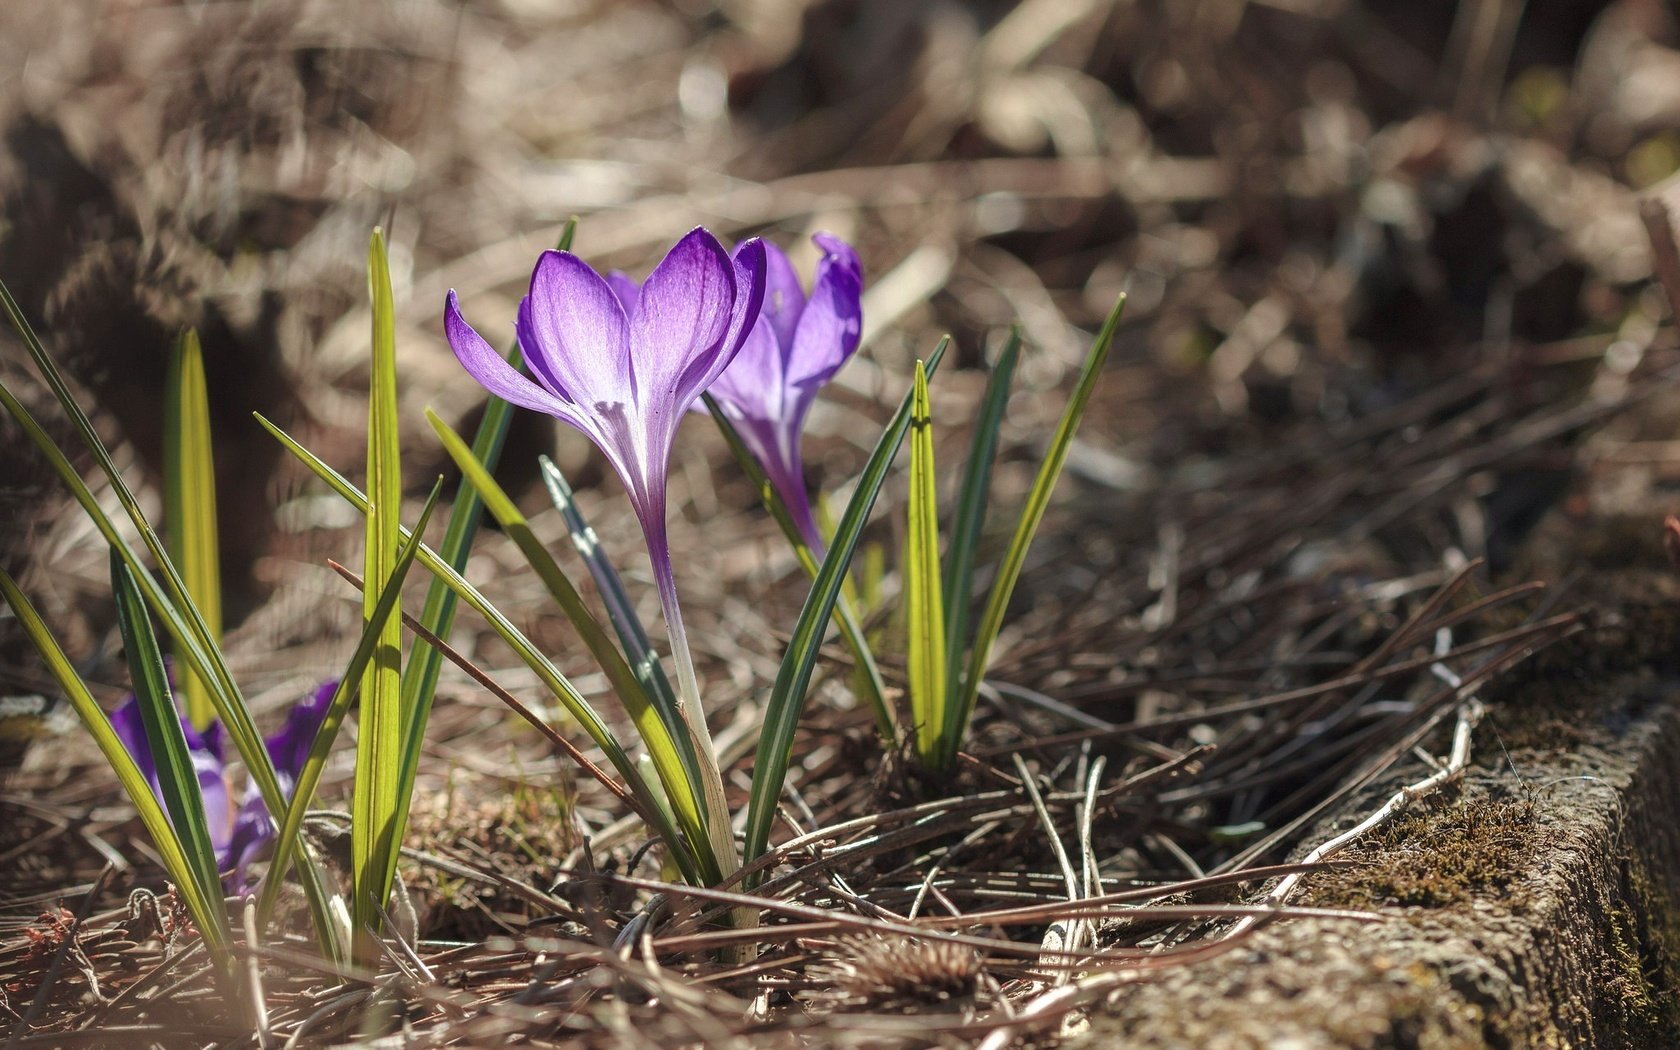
{"x": 309, "y": 777}
{"x": 925, "y": 605}
{"x": 1038, "y": 500}
{"x": 379, "y": 738}
{"x": 189, "y": 502}
{"x": 177, "y": 779}
{"x": 971, "y": 513}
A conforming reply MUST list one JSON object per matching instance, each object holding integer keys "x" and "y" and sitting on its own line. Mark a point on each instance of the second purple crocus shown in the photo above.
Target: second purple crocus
{"x": 238, "y": 833}
{"x": 795, "y": 348}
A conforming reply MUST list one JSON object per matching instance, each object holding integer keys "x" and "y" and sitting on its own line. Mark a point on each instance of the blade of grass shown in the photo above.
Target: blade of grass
{"x": 621, "y": 611}
{"x": 207, "y": 914}
{"x": 971, "y": 512}
{"x": 787, "y": 696}
{"x": 873, "y": 687}
{"x": 309, "y": 777}
{"x": 437, "y": 615}
{"x": 662, "y": 730}
{"x": 546, "y": 672}
{"x": 1038, "y": 500}
{"x": 189, "y": 502}
{"x": 177, "y": 779}
{"x": 925, "y": 605}
{"x": 379, "y": 736}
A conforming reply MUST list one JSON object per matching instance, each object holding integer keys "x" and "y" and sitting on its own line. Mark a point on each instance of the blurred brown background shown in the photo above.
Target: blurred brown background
{"x": 1319, "y": 207}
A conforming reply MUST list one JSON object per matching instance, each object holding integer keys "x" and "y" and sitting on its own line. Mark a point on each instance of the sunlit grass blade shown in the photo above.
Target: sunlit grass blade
{"x": 872, "y": 687}
{"x": 207, "y": 912}
{"x": 546, "y": 672}
{"x": 793, "y": 679}
{"x": 1038, "y": 500}
{"x": 437, "y": 615}
{"x": 621, "y": 611}
{"x": 309, "y": 777}
{"x": 171, "y": 757}
{"x": 925, "y": 605}
{"x": 189, "y": 502}
{"x": 971, "y": 512}
{"x": 379, "y": 727}
{"x": 662, "y": 728}
{"x": 420, "y": 674}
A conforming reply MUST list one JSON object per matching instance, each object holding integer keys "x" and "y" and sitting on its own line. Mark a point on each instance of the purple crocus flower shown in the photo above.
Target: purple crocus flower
{"x": 622, "y": 364}
{"x": 239, "y": 834}
{"x": 796, "y": 347}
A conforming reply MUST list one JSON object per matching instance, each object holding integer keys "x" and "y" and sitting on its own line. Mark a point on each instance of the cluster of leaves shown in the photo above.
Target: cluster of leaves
{"x": 176, "y": 585}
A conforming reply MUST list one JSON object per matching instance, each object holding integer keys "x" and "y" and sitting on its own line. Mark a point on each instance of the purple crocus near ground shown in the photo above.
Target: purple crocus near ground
{"x": 238, "y": 833}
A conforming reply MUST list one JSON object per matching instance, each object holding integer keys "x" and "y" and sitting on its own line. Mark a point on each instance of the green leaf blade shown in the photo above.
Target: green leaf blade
{"x": 177, "y": 778}
{"x": 1037, "y": 502}
{"x": 374, "y": 838}
{"x": 925, "y": 604}
{"x": 971, "y": 513}
{"x": 309, "y": 777}
{"x": 207, "y": 912}
{"x": 189, "y": 489}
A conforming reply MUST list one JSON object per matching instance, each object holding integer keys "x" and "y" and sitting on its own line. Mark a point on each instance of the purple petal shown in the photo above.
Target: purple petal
{"x": 131, "y": 730}
{"x": 754, "y": 385}
{"x": 829, "y": 328}
{"x": 289, "y": 748}
{"x": 784, "y": 298}
{"x": 574, "y": 334}
{"x": 628, "y": 291}
{"x": 218, "y": 804}
{"x": 484, "y": 364}
{"x": 682, "y": 318}
{"x": 204, "y": 750}
{"x": 250, "y": 830}
{"x": 775, "y": 445}
{"x": 837, "y": 252}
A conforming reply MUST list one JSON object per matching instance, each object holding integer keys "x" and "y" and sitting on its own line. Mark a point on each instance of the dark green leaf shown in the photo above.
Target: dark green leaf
{"x": 1038, "y": 500}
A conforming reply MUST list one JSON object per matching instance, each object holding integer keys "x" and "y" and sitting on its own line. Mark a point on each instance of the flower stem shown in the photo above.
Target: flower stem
{"x": 713, "y": 801}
